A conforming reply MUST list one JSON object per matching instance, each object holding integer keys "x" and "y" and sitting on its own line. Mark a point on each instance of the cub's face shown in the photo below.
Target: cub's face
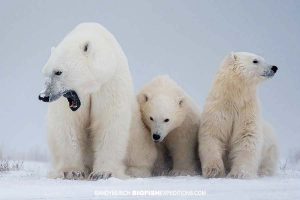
{"x": 253, "y": 68}
{"x": 161, "y": 114}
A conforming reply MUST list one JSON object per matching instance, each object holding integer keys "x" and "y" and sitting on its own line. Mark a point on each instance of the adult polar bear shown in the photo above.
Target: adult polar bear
{"x": 90, "y": 69}
{"x": 233, "y": 135}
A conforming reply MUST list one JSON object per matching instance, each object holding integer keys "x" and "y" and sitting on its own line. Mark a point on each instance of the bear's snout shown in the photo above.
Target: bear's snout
{"x": 44, "y": 98}
{"x": 48, "y": 96}
{"x": 156, "y": 137}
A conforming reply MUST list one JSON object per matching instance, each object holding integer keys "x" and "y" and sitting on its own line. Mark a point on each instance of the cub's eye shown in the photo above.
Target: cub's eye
{"x": 255, "y": 61}
{"x": 151, "y": 118}
{"x": 166, "y": 120}
{"x": 58, "y": 73}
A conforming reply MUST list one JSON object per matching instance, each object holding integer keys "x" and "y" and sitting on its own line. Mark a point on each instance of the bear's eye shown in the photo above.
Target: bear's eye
{"x": 58, "y": 73}
{"x": 255, "y": 61}
{"x": 166, "y": 120}
{"x": 151, "y": 119}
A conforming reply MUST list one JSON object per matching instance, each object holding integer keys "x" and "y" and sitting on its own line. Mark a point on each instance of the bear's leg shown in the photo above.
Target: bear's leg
{"x": 163, "y": 161}
{"x": 270, "y": 153}
{"x": 109, "y": 152}
{"x": 110, "y": 146}
{"x": 68, "y": 140}
{"x": 211, "y": 152}
{"x": 67, "y": 152}
{"x": 184, "y": 162}
{"x": 182, "y": 149}
{"x": 213, "y": 134}
{"x": 141, "y": 150}
{"x": 142, "y": 156}
{"x": 269, "y": 162}
{"x": 245, "y": 155}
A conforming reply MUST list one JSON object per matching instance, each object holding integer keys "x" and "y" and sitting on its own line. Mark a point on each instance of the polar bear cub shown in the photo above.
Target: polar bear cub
{"x": 233, "y": 136}
{"x": 88, "y": 130}
{"x": 172, "y": 119}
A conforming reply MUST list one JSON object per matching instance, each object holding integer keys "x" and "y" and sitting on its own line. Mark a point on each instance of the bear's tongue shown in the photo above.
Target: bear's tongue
{"x": 73, "y": 99}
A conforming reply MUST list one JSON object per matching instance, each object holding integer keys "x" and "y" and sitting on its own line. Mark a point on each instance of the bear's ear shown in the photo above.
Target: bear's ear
{"x": 142, "y": 98}
{"x": 233, "y": 56}
{"x": 181, "y": 102}
{"x": 146, "y": 98}
{"x": 86, "y": 47}
{"x": 52, "y": 50}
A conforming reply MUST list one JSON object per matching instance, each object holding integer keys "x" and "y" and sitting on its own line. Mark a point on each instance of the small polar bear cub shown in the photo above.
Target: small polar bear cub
{"x": 233, "y": 136}
{"x": 88, "y": 130}
{"x": 172, "y": 119}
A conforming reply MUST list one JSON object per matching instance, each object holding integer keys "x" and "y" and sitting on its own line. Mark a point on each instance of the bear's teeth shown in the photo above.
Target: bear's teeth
{"x": 73, "y": 105}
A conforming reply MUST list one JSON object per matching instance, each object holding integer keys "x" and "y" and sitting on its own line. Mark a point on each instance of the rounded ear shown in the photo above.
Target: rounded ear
{"x": 233, "y": 56}
{"x": 181, "y": 102}
{"x": 142, "y": 98}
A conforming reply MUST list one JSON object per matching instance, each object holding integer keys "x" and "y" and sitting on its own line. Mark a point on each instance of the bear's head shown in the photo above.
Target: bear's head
{"x": 249, "y": 67}
{"x": 161, "y": 113}
{"x": 85, "y": 59}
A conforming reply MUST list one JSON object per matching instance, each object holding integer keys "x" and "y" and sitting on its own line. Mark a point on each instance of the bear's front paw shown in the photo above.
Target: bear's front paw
{"x": 241, "y": 174}
{"x": 74, "y": 175}
{"x": 94, "y": 176}
{"x": 214, "y": 170}
{"x": 182, "y": 172}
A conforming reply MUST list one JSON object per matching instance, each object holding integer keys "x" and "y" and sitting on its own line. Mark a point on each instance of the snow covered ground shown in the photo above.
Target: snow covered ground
{"x": 32, "y": 183}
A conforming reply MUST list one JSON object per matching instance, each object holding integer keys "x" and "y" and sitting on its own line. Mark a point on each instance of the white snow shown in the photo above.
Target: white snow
{"x": 32, "y": 183}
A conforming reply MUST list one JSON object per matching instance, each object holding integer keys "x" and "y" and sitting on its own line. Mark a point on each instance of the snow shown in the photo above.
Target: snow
{"x": 32, "y": 183}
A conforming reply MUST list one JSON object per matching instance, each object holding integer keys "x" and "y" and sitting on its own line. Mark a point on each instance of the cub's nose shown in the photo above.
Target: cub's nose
{"x": 155, "y": 137}
{"x": 274, "y": 68}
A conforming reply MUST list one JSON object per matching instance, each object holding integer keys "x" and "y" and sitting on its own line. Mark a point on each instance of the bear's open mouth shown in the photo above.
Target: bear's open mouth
{"x": 71, "y": 95}
{"x": 73, "y": 99}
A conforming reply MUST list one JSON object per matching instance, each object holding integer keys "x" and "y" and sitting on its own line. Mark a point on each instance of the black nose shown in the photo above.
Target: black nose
{"x": 274, "y": 68}
{"x": 44, "y": 98}
{"x": 155, "y": 137}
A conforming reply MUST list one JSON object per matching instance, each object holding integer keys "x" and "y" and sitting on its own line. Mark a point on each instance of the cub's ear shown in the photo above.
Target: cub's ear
{"x": 233, "y": 55}
{"x": 52, "y": 50}
{"x": 142, "y": 98}
{"x": 181, "y": 102}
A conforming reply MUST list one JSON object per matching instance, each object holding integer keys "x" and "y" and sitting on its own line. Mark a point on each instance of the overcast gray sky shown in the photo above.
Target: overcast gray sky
{"x": 186, "y": 39}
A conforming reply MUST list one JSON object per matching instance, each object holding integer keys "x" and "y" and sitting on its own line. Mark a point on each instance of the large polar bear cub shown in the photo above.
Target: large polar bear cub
{"x": 233, "y": 135}
{"x": 90, "y": 69}
{"x": 172, "y": 119}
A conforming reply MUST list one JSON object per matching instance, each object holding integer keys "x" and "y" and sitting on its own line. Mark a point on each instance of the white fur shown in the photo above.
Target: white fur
{"x": 233, "y": 136}
{"x": 95, "y": 137}
{"x": 163, "y": 99}
{"x": 142, "y": 152}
